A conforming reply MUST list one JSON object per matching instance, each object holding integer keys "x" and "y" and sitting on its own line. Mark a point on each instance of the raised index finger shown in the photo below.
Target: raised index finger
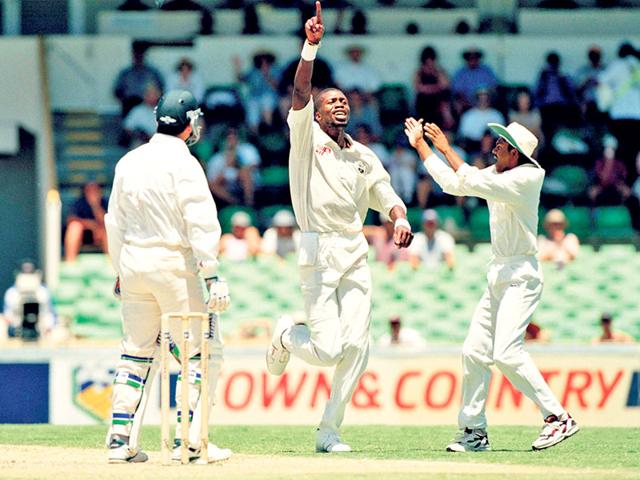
{"x": 318, "y": 12}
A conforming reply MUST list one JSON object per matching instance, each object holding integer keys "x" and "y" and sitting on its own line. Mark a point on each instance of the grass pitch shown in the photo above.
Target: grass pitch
{"x": 286, "y": 451}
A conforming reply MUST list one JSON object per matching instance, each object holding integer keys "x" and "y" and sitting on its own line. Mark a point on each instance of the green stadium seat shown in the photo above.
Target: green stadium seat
{"x": 451, "y": 218}
{"x": 414, "y": 216}
{"x": 613, "y": 223}
{"x": 274, "y": 176}
{"x": 479, "y": 225}
{"x": 574, "y": 179}
{"x": 579, "y": 219}
{"x": 393, "y": 102}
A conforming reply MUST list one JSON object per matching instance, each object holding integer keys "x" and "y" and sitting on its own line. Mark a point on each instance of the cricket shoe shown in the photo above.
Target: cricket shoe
{"x": 277, "y": 355}
{"x": 470, "y": 440}
{"x": 329, "y": 442}
{"x": 120, "y": 452}
{"x": 555, "y": 430}
{"x": 216, "y": 454}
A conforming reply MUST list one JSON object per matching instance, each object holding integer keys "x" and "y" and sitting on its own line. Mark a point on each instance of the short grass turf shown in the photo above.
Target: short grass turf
{"x": 596, "y": 448}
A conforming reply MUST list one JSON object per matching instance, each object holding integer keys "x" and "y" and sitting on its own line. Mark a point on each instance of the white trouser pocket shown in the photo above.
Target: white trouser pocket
{"x": 308, "y": 249}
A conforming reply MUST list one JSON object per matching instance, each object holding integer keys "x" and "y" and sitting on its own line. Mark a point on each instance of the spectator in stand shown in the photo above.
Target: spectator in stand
{"x": 473, "y": 122}
{"x": 262, "y": 88}
{"x": 356, "y": 73}
{"x": 186, "y": 78}
{"x": 233, "y": 171}
{"x": 557, "y": 246}
{"x": 251, "y": 21}
{"x": 587, "y": 83}
{"x": 432, "y": 90}
{"x": 206, "y": 19}
{"x": 363, "y": 111}
{"x": 243, "y": 243}
{"x": 282, "y": 238}
{"x": 432, "y": 247}
{"x": 535, "y": 333}
{"x": 358, "y": 23}
{"x": 621, "y": 81}
{"x": 140, "y": 123}
{"x": 609, "y": 335}
{"x": 403, "y": 169}
{"x": 469, "y": 79}
{"x": 381, "y": 239}
{"x": 483, "y": 156}
{"x": 610, "y": 183}
{"x": 85, "y": 223}
{"x": 133, "y": 6}
{"x": 132, "y": 81}
{"x": 526, "y": 115}
{"x": 365, "y": 136}
{"x": 401, "y": 336}
{"x": 556, "y": 98}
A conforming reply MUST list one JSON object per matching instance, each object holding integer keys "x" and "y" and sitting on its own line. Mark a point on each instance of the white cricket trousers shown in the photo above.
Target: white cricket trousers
{"x": 336, "y": 289}
{"x": 496, "y": 335}
{"x": 155, "y": 281}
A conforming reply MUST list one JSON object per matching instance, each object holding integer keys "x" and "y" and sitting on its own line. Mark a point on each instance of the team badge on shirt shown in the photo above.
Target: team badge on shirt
{"x": 322, "y": 150}
{"x": 361, "y": 167}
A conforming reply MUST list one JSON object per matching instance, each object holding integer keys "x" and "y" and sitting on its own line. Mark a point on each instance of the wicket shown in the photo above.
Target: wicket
{"x": 165, "y": 340}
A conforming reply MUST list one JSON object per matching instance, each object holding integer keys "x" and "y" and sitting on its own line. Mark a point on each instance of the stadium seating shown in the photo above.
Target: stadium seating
{"x": 439, "y": 304}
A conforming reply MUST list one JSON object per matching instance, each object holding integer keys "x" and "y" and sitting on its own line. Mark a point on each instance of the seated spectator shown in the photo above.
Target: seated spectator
{"x": 363, "y": 111}
{"x": 206, "y": 19}
{"x": 620, "y": 81}
{"x": 282, "y": 238}
{"x": 526, "y": 115}
{"x": 402, "y": 169}
{"x": 28, "y": 310}
{"x": 186, "y": 78}
{"x": 473, "y": 122}
{"x": 262, "y": 88}
{"x": 431, "y": 84}
{"x": 356, "y": 73}
{"x": 381, "y": 239}
{"x": 243, "y": 243}
{"x": 364, "y": 135}
{"x": 232, "y": 172}
{"x": 140, "y": 123}
{"x": 358, "y": 23}
{"x": 609, "y": 335}
{"x": 470, "y": 78}
{"x": 433, "y": 246}
{"x": 132, "y": 81}
{"x": 556, "y": 97}
{"x": 401, "y": 336}
{"x": 587, "y": 84}
{"x": 483, "y": 156}
{"x": 557, "y": 245}
{"x": 535, "y": 333}
{"x": 85, "y": 223}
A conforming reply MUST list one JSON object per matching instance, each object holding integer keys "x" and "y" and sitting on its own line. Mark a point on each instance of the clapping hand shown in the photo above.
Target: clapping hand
{"x": 413, "y": 131}
{"x": 437, "y": 137}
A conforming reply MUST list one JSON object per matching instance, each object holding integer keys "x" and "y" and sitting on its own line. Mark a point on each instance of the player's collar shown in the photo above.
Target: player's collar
{"x": 327, "y": 140}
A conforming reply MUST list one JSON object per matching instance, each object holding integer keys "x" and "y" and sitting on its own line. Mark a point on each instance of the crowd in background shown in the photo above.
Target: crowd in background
{"x": 588, "y": 119}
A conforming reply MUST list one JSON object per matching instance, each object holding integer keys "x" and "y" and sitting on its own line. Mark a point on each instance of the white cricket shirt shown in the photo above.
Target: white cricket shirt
{"x": 160, "y": 198}
{"x": 512, "y": 196}
{"x": 331, "y": 187}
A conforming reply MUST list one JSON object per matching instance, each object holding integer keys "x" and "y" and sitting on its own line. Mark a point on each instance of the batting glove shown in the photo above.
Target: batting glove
{"x": 219, "y": 299}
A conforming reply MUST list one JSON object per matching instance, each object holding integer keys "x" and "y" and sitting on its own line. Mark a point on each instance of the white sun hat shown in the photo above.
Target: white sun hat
{"x": 518, "y": 137}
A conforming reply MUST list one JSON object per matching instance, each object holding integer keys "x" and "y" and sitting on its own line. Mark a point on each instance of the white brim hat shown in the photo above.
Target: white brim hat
{"x": 518, "y": 137}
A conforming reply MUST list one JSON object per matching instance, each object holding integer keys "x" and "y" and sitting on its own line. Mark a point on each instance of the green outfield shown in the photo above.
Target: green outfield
{"x": 45, "y": 451}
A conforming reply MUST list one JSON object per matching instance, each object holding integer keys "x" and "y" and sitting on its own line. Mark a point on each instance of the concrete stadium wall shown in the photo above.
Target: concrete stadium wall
{"x": 83, "y": 69}
{"x": 24, "y": 188}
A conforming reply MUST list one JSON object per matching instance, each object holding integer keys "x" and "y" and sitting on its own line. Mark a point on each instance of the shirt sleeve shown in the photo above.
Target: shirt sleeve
{"x": 382, "y": 197}
{"x": 113, "y": 221}
{"x": 200, "y": 216}
{"x": 506, "y": 187}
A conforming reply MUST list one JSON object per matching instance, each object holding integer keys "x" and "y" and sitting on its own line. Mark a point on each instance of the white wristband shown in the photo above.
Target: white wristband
{"x": 309, "y": 51}
{"x": 402, "y": 222}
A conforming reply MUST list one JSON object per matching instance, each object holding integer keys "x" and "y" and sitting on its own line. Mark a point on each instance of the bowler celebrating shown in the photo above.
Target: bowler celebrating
{"x": 334, "y": 181}
{"x": 511, "y": 188}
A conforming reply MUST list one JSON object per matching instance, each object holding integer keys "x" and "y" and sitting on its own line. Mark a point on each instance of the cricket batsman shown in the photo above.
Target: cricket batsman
{"x": 334, "y": 181}
{"x": 163, "y": 237}
{"x": 511, "y": 188}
